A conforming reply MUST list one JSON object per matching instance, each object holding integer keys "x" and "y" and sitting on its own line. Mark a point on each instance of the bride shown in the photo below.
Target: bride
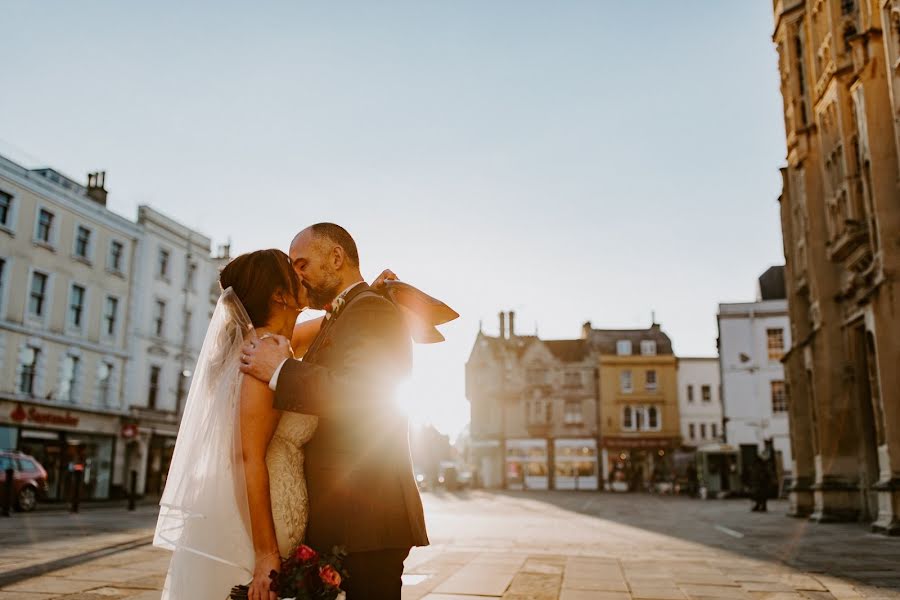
{"x": 235, "y": 501}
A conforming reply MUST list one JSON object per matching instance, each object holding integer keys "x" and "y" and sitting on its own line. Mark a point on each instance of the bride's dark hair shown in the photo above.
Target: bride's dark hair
{"x": 255, "y": 277}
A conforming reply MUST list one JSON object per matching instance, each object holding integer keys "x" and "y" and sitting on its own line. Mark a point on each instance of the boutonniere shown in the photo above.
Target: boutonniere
{"x": 334, "y": 307}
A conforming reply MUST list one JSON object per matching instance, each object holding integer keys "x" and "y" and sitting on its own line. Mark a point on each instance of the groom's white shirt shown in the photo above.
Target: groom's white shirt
{"x": 273, "y": 383}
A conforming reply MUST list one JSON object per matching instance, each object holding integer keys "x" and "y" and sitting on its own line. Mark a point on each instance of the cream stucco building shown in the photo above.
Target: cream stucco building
{"x": 101, "y": 322}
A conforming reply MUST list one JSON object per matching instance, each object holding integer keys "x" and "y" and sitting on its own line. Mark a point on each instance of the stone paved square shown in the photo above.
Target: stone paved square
{"x": 510, "y": 546}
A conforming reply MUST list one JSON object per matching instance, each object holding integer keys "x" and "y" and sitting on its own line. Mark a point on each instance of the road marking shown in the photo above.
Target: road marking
{"x": 731, "y": 532}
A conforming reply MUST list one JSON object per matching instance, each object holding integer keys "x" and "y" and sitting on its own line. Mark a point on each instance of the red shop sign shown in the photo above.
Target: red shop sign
{"x": 34, "y": 415}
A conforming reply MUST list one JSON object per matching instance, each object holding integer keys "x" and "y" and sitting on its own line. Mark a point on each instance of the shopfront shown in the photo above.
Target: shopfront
{"x": 65, "y": 442}
{"x": 527, "y": 465}
{"x": 159, "y": 459}
{"x": 576, "y": 464}
{"x": 639, "y": 464}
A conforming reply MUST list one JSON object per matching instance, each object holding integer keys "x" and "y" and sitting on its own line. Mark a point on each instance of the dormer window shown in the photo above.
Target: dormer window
{"x": 623, "y": 347}
{"x": 648, "y": 348}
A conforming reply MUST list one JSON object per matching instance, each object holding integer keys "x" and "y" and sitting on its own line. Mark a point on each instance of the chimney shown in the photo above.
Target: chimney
{"x": 586, "y": 330}
{"x": 502, "y": 325}
{"x": 96, "y": 187}
{"x": 512, "y": 324}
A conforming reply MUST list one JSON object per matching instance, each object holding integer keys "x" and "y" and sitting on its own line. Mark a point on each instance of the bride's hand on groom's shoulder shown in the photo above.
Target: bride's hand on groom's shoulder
{"x": 386, "y": 275}
{"x": 260, "y": 358}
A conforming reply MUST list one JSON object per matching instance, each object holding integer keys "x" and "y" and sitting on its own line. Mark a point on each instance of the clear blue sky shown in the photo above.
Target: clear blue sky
{"x": 574, "y": 160}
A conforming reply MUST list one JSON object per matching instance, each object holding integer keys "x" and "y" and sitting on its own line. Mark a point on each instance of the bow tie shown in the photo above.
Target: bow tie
{"x": 334, "y": 307}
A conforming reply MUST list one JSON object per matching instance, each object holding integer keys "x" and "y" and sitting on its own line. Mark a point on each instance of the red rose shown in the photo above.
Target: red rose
{"x": 330, "y": 576}
{"x": 306, "y": 554}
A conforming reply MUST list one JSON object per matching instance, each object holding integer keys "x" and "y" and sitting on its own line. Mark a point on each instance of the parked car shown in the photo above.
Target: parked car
{"x": 29, "y": 480}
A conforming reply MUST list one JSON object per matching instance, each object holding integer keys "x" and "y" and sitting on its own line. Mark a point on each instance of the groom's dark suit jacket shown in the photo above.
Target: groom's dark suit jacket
{"x": 362, "y": 490}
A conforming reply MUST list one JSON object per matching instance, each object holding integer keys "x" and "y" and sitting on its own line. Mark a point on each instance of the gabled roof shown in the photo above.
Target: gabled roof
{"x": 568, "y": 350}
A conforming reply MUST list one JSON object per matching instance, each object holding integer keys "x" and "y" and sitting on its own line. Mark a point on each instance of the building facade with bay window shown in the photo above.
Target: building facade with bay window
{"x": 533, "y": 411}
{"x": 549, "y": 414}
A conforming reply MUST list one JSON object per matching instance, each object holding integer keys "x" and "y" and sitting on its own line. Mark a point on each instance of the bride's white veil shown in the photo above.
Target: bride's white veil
{"x": 204, "y": 517}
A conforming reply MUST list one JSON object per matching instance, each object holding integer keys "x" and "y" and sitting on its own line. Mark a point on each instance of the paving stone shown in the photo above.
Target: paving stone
{"x": 53, "y": 585}
{"x": 593, "y": 595}
{"x": 477, "y": 580}
{"x": 714, "y": 591}
{"x": 766, "y": 586}
{"x": 535, "y": 586}
{"x": 651, "y": 593}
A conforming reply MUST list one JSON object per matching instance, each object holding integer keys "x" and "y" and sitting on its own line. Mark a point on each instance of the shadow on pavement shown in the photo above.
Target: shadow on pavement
{"x": 846, "y": 550}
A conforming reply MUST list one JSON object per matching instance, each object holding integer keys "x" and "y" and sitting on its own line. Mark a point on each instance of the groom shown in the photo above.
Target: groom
{"x": 362, "y": 491}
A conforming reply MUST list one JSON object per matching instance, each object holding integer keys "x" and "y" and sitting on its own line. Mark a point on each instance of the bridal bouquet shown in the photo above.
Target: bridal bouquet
{"x": 306, "y": 575}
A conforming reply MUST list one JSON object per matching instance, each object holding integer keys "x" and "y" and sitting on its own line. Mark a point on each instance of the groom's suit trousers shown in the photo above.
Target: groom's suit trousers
{"x": 375, "y": 575}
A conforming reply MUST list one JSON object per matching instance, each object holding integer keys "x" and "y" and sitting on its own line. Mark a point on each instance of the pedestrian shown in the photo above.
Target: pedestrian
{"x": 692, "y": 480}
{"x": 760, "y": 482}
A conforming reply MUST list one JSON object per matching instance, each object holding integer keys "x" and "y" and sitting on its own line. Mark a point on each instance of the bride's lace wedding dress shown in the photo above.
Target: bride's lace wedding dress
{"x": 287, "y": 483}
{"x": 204, "y": 518}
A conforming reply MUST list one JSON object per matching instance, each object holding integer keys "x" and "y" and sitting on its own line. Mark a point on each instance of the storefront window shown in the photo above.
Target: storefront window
{"x": 47, "y": 448}
{"x": 161, "y": 450}
{"x": 94, "y": 452}
{"x": 9, "y": 438}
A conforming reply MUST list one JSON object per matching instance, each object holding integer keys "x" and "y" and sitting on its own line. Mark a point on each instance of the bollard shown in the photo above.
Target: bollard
{"x": 132, "y": 496}
{"x": 76, "y": 491}
{"x": 9, "y": 493}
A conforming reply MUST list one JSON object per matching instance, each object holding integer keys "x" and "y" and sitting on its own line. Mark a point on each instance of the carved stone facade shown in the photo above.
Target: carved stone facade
{"x": 840, "y": 212}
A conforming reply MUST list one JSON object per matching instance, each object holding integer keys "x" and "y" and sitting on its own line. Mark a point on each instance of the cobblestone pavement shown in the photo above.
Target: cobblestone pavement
{"x": 514, "y": 546}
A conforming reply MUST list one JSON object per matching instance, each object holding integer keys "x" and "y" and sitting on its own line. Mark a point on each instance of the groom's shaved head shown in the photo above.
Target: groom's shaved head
{"x": 337, "y": 235}
{"x": 325, "y": 258}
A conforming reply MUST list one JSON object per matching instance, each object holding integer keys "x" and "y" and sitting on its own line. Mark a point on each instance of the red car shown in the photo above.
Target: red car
{"x": 30, "y": 479}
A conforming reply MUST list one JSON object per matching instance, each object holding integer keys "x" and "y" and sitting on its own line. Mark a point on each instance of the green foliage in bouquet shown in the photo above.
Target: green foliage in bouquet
{"x": 306, "y": 575}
